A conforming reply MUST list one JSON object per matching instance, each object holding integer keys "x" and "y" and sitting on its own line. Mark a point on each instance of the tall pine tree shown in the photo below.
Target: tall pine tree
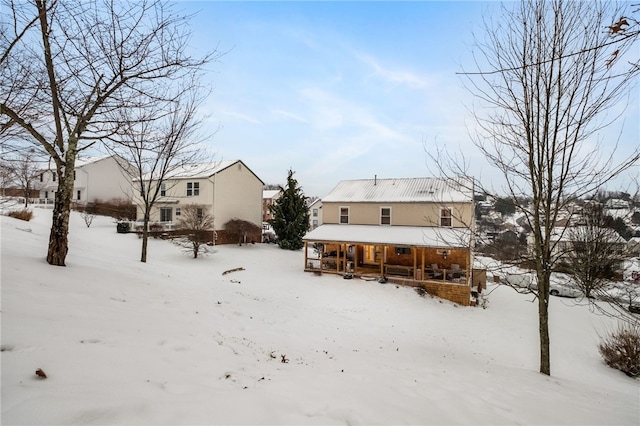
{"x": 290, "y": 215}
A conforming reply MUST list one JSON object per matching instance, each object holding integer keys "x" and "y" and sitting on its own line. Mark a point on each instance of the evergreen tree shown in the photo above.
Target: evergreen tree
{"x": 290, "y": 215}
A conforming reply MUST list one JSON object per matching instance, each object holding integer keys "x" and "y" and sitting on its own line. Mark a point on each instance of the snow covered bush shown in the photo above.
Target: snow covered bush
{"x": 621, "y": 349}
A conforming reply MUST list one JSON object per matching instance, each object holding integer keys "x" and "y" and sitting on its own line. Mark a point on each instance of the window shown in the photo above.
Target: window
{"x": 344, "y": 214}
{"x": 200, "y": 213}
{"x": 79, "y": 195}
{"x": 165, "y": 214}
{"x": 402, "y": 250}
{"x": 46, "y": 194}
{"x": 41, "y": 177}
{"x": 315, "y": 224}
{"x": 163, "y": 190}
{"x": 315, "y": 212}
{"x": 385, "y": 215}
{"x": 178, "y": 211}
{"x": 193, "y": 189}
{"x": 54, "y": 174}
{"x": 445, "y": 216}
{"x": 74, "y": 175}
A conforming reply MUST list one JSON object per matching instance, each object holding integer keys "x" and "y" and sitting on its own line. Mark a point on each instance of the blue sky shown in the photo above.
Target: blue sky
{"x": 340, "y": 90}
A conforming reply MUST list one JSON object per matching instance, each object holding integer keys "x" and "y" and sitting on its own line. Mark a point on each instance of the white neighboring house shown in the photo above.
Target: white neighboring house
{"x": 562, "y": 240}
{"x": 95, "y": 178}
{"x": 226, "y": 189}
{"x": 315, "y": 214}
{"x": 616, "y": 203}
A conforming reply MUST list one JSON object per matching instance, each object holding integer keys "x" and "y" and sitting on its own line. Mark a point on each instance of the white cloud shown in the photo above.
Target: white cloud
{"x": 395, "y": 76}
{"x": 289, "y": 115}
{"x": 240, "y": 117}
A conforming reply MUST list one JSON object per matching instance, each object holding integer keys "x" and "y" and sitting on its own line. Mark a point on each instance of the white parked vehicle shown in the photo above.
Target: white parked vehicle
{"x": 561, "y": 284}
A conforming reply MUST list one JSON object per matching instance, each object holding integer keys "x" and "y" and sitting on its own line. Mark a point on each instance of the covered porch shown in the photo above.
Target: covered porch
{"x": 437, "y": 259}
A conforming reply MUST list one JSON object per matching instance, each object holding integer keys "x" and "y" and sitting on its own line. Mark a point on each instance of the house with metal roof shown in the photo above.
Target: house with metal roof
{"x": 414, "y": 231}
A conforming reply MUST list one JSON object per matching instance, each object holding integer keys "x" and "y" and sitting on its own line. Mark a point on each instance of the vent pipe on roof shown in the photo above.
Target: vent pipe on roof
{"x": 375, "y": 180}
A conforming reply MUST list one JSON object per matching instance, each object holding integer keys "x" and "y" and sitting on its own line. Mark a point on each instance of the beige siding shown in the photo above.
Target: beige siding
{"x": 405, "y": 214}
{"x": 234, "y": 192}
{"x": 237, "y": 193}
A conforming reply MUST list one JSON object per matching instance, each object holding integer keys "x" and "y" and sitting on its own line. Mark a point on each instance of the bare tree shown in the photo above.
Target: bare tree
{"x": 5, "y": 176}
{"x": 157, "y": 141}
{"x": 594, "y": 252}
{"x": 23, "y": 168}
{"x": 549, "y": 76}
{"x": 67, "y": 66}
{"x": 199, "y": 226}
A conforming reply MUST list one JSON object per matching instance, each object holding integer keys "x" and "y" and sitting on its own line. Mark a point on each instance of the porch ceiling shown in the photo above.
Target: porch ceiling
{"x": 416, "y": 236}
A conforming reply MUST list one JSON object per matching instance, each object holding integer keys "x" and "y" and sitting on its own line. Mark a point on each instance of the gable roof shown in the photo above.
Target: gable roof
{"x": 83, "y": 161}
{"x": 426, "y": 189}
{"x": 270, "y": 193}
{"x": 204, "y": 170}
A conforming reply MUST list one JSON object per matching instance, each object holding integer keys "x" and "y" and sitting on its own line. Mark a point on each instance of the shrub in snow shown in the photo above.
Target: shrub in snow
{"x": 23, "y": 214}
{"x": 621, "y": 349}
{"x": 88, "y": 217}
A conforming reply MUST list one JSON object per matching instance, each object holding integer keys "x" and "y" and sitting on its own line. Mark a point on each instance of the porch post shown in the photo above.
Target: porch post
{"x": 381, "y": 260}
{"x": 355, "y": 258}
{"x": 305, "y": 255}
{"x": 415, "y": 262}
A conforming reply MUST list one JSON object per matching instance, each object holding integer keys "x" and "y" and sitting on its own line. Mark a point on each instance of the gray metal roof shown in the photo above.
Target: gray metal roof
{"x": 427, "y": 189}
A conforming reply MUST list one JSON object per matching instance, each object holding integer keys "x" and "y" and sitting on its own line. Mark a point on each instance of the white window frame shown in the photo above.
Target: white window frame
{"x": 163, "y": 189}
{"x": 383, "y": 216}
{"x": 448, "y": 217}
{"x": 193, "y": 189}
{"x": 165, "y": 209}
{"x": 340, "y": 215}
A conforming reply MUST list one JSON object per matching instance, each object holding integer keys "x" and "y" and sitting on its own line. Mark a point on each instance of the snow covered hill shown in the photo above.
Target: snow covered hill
{"x": 176, "y": 341}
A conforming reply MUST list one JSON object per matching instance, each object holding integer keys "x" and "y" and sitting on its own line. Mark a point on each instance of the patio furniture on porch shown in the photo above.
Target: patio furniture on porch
{"x": 455, "y": 272}
{"x": 399, "y": 270}
{"x": 435, "y": 271}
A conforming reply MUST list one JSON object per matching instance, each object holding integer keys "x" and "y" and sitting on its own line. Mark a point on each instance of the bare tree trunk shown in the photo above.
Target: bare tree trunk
{"x": 145, "y": 235}
{"x": 543, "y": 327}
{"x": 59, "y": 236}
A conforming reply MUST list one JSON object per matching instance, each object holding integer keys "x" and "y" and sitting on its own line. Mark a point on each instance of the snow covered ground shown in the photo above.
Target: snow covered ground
{"x": 174, "y": 341}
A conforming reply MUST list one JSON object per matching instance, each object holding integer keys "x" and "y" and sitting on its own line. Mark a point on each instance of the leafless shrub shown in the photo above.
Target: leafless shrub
{"x": 621, "y": 349}
{"x": 88, "y": 217}
{"x": 23, "y": 214}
